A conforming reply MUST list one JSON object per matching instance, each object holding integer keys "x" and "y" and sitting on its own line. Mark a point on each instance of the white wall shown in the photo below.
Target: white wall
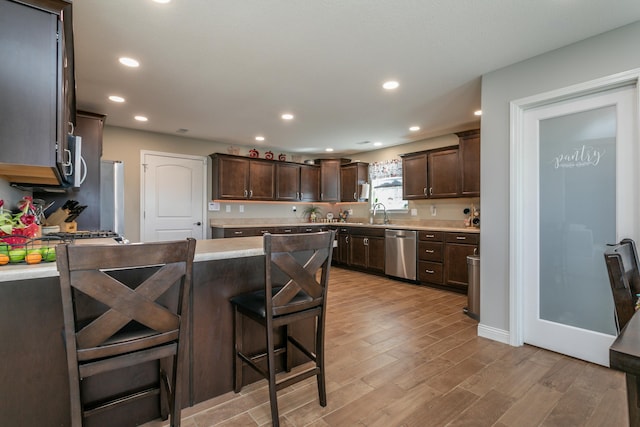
{"x": 609, "y": 53}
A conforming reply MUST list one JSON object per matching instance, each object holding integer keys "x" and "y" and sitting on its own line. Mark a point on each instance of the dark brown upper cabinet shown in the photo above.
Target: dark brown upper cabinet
{"x": 443, "y": 171}
{"x": 469, "y": 163}
{"x": 34, "y": 120}
{"x": 330, "y": 180}
{"x": 352, "y": 176}
{"x": 296, "y": 182}
{"x": 237, "y": 178}
{"x": 414, "y": 176}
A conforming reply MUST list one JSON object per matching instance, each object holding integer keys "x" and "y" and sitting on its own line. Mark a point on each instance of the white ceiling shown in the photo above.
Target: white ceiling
{"x": 226, "y": 70}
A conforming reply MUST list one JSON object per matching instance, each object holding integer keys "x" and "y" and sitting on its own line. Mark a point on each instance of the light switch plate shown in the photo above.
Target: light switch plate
{"x": 241, "y": 207}
{"x": 414, "y": 212}
{"x": 214, "y": 206}
{"x": 228, "y": 208}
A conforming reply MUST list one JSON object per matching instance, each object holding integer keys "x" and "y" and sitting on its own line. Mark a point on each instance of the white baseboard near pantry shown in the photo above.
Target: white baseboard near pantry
{"x": 494, "y": 334}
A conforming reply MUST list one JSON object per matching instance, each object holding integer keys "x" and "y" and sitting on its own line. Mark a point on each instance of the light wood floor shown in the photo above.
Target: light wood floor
{"x": 405, "y": 355}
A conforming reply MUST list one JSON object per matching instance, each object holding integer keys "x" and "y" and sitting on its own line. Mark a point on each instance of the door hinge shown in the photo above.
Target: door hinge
{"x": 144, "y": 165}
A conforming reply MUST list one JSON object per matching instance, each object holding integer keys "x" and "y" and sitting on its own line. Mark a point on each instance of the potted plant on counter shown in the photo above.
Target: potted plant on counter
{"x": 312, "y": 212}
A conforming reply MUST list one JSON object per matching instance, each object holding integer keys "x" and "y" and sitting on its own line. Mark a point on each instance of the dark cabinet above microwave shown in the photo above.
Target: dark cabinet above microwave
{"x": 35, "y": 112}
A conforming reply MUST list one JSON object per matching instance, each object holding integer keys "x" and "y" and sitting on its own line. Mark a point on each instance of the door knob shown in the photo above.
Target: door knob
{"x": 197, "y": 223}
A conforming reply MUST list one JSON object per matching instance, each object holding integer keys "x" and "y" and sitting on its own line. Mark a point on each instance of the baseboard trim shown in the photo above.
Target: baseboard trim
{"x": 494, "y": 334}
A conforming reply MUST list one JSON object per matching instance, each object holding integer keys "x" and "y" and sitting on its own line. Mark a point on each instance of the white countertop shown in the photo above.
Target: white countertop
{"x": 206, "y": 250}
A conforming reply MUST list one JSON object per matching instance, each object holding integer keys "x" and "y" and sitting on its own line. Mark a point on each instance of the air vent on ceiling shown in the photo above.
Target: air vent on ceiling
{"x": 364, "y": 142}
{"x": 182, "y": 130}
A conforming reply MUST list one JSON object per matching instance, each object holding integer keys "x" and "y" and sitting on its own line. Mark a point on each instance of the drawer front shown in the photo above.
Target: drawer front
{"x": 464, "y": 238}
{"x": 311, "y": 229}
{"x": 366, "y": 231}
{"x": 435, "y": 236}
{"x": 431, "y": 251}
{"x": 286, "y": 230}
{"x": 430, "y": 272}
{"x": 239, "y": 232}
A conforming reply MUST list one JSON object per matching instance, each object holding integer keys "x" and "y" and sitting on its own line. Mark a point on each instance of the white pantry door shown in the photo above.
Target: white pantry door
{"x": 173, "y": 196}
{"x": 580, "y": 192}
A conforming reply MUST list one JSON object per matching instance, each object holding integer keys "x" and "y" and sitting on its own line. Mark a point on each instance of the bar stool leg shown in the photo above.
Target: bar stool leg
{"x": 237, "y": 344}
{"x": 271, "y": 369}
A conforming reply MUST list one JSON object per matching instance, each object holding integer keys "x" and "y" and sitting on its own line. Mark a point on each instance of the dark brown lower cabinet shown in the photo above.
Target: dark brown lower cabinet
{"x": 366, "y": 249}
{"x": 457, "y": 247}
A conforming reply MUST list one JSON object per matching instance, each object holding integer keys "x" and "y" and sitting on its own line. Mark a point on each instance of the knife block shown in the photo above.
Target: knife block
{"x": 58, "y": 217}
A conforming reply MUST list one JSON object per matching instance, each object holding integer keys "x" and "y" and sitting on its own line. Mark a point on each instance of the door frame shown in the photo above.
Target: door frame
{"x": 517, "y": 208}
{"x": 202, "y": 159}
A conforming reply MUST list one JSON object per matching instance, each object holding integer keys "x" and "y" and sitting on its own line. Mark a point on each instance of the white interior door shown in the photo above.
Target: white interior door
{"x": 581, "y": 188}
{"x": 173, "y": 196}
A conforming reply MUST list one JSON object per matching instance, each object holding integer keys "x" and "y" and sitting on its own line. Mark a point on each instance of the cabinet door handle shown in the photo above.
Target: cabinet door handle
{"x": 238, "y": 233}
{"x": 287, "y": 230}
{"x": 355, "y": 196}
{"x": 321, "y": 196}
{"x": 475, "y": 251}
{"x": 346, "y": 239}
{"x": 250, "y": 194}
{"x": 429, "y": 251}
{"x": 301, "y": 195}
{"x": 429, "y": 271}
{"x": 430, "y": 236}
{"x": 461, "y": 238}
{"x": 430, "y": 191}
{"x": 424, "y": 191}
{"x": 246, "y": 193}
{"x": 366, "y": 241}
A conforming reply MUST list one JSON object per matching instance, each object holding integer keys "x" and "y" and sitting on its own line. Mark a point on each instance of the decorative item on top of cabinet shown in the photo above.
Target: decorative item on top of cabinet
{"x": 469, "y": 163}
{"x": 352, "y": 177}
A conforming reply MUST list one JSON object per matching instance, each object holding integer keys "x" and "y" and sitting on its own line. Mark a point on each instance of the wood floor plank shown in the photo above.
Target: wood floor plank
{"x": 401, "y": 355}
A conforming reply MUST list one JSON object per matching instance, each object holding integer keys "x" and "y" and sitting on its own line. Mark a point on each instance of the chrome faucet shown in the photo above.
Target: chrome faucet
{"x": 375, "y": 209}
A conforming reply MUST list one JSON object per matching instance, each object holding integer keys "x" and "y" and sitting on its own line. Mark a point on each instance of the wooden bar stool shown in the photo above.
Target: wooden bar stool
{"x": 624, "y": 278}
{"x": 292, "y": 291}
{"x": 112, "y": 321}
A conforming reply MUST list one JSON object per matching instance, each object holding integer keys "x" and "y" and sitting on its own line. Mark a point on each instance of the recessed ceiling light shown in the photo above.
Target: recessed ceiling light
{"x": 377, "y": 143}
{"x": 414, "y": 128}
{"x": 162, "y": 1}
{"x": 477, "y": 112}
{"x": 390, "y": 85}
{"x": 259, "y": 138}
{"x": 129, "y": 62}
{"x": 287, "y": 116}
{"x": 116, "y": 98}
{"x": 141, "y": 118}
{"x": 328, "y": 149}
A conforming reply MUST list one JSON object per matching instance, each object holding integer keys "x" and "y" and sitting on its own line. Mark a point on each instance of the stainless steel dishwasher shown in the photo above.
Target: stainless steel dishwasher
{"x": 400, "y": 253}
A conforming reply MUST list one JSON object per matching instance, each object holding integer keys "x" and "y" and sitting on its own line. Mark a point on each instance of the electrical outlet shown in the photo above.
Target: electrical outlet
{"x": 227, "y": 208}
{"x": 241, "y": 207}
{"x": 350, "y": 211}
{"x": 293, "y": 209}
{"x": 433, "y": 210}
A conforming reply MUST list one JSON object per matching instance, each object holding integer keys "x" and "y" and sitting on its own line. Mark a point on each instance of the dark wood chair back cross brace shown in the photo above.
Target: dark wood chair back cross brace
{"x": 624, "y": 277}
{"x": 296, "y": 278}
{"x": 134, "y": 324}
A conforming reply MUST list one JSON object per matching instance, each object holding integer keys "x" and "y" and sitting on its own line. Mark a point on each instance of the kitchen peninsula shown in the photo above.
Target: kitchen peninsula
{"x": 33, "y": 378}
